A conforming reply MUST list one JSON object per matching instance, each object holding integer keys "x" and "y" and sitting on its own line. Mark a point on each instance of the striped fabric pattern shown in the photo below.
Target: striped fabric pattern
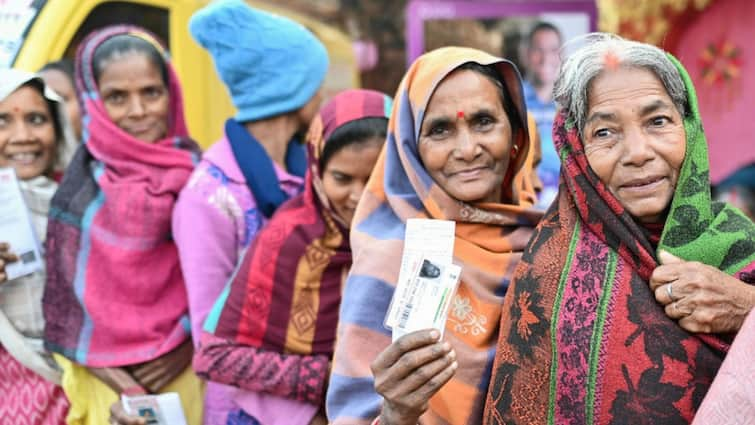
{"x": 488, "y": 245}
{"x": 285, "y": 294}
{"x": 271, "y": 332}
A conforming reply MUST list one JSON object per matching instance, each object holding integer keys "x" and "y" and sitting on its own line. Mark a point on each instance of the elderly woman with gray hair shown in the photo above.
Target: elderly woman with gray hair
{"x": 632, "y": 287}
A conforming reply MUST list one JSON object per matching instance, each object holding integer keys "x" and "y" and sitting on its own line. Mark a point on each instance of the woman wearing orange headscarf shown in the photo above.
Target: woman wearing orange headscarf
{"x": 457, "y": 149}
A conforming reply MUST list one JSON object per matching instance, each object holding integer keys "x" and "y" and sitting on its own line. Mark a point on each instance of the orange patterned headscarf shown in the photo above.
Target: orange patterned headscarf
{"x": 488, "y": 245}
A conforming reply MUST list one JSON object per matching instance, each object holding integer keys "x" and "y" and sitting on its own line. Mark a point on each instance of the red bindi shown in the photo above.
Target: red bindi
{"x": 460, "y": 114}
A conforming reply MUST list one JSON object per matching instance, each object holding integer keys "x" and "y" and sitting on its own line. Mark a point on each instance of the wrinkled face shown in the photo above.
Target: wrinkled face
{"x": 135, "y": 96}
{"x": 634, "y": 140}
{"x": 346, "y": 173}
{"x": 27, "y": 133}
{"x": 465, "y": 140}
{"x": 542, "y": 56}
{"x": 62, "y": 85}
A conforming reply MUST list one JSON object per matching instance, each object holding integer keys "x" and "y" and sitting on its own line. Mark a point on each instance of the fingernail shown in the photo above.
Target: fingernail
{"x": 446, "y": 346}
{"x": 455, "y": 365}
{"x": 452, "y": 355}
{"x": 434, "y": 334}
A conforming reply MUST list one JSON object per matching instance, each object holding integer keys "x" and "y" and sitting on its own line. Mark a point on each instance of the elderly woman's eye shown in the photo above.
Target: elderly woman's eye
{"x": 601, "y": 133}
{"x": 115, "y": 98}
{"x": 4, "y": 120}
{"x": 154, "y": 92}
{"x": 659, "y": 121}
{"x": 484, "y": 122}
{"x": 438, "y": 131}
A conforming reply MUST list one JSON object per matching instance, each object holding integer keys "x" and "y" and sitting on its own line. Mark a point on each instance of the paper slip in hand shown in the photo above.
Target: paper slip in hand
{"x": 163, "y": 409}
{"x": 427, "y": 278}
{"x": 429, "y": 298}
{"x": 424, "y": 238}
{"x": 16, "y": 228}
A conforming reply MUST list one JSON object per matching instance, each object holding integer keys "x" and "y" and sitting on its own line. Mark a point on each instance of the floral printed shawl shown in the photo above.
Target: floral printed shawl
{"x": 583, "y": 340}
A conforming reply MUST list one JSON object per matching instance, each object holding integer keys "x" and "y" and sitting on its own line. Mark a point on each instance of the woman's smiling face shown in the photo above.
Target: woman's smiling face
{"x": 346, "y": 173}
{"x": 635, "y": 140}
{"x": 135, "y": 96}
{"x": 27, "y": 133}
{"x": 466, "y": 137}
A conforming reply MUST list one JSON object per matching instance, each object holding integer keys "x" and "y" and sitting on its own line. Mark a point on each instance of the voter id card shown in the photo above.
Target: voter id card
{"x": 426, "y": 301}
{"x": 428, "y": 239}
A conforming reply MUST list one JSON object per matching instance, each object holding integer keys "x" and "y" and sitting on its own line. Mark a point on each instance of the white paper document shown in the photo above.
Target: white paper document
{"x": 427, "y": 278}
{"x": 16, "y": 228}
{"x": 163, "y": 409}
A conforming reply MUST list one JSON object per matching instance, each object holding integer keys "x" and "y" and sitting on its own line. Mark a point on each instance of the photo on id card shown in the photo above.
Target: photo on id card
{"x": 161, "y": 409}
{"x": 426, "y": 301}
{"x": 148, "y": 408}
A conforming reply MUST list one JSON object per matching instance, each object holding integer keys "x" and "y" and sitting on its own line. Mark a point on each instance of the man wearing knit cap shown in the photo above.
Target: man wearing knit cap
{"x": 273, "y": 69}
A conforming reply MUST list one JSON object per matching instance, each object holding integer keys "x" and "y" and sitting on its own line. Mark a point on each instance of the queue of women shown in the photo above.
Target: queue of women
{"x": 253, "y": 279}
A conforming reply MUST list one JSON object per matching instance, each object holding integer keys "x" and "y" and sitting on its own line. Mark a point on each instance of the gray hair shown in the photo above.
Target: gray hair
{"x": 587, "y": 62}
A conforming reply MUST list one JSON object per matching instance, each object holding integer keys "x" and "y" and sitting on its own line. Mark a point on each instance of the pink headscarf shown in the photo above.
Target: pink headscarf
{"x": 115, "y": 294}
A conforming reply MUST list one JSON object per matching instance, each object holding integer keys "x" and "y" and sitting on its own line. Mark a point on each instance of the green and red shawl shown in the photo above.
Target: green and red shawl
{"x": 583, "y": 340}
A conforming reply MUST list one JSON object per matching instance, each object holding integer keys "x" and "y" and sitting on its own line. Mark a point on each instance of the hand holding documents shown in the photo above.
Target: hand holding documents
{"x": 163, "y": 409}
{"x": 16, "y": 228}
{"x": 427, "y": 278}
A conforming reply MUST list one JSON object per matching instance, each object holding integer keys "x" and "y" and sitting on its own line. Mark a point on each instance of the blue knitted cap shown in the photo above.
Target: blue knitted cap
{"x": 270, "y": 64}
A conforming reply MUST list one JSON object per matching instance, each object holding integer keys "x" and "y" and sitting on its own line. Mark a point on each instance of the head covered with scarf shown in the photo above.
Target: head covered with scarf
{"x": 278, "y": 315}
{"x": 65, "y": 143}
{"x": 20, "y": 307}
{"x": 38, "y": 191}
{"x": 115, "y": 293}
{"x": 489, "y": 239}
{"x": 583, "y": 339}
{"x": 284, "y": 296}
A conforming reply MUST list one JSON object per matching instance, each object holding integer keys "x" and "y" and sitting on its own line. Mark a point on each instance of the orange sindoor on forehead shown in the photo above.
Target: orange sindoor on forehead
{"x": 611, "y": 61}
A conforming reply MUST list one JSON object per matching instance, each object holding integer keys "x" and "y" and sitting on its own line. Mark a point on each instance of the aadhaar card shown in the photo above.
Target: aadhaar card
{"x": 423, "y": 238}
{"x": 428, "y": 298}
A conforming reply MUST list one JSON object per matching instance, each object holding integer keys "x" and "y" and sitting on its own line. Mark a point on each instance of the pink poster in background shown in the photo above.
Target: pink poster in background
{"x": 718, "y": 50}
